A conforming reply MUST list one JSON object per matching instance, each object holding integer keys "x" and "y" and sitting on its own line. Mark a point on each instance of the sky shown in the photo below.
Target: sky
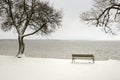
{"x": 72, "y": 27}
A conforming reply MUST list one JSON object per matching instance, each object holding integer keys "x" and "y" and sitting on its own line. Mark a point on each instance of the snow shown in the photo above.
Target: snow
{"x": 12, "y": 68}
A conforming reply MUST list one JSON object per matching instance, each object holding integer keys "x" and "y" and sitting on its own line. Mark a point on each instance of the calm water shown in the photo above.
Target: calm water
{"x": 102, "y": 50}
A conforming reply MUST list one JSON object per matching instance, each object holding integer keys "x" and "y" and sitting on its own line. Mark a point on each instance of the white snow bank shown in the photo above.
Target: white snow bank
{"x": 12, "y": 68}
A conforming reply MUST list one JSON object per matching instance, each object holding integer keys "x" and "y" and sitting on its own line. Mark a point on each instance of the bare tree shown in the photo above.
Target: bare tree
{"x": 103, "y": 14}
{"x": 23, "y": 15}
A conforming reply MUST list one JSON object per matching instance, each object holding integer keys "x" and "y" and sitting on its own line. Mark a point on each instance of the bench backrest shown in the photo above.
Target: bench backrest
{"x": 82, "y": 55}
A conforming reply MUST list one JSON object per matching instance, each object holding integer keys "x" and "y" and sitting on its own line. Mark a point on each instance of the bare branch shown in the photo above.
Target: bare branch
{"x": 103, "y": 14}
{"x": 11, "y": 14}
{"x": 34, "y": 31}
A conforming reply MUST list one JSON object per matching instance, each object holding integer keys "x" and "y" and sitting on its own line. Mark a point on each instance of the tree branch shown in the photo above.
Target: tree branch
{"x": 35, "y": 31}
{"x": 11, "y": 15}
{"x": 28, "y": 18}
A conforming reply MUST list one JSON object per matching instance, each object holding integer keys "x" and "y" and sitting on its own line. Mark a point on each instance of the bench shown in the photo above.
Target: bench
{"x": 82, "y": 56}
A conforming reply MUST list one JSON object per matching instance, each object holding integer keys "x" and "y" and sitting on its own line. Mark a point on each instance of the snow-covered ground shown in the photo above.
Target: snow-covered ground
{"x": 12, "y": 68}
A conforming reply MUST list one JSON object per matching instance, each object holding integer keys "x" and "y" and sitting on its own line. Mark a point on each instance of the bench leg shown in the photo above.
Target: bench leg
{"x": 73, "y": 60}
{"x": 93, "y": 59}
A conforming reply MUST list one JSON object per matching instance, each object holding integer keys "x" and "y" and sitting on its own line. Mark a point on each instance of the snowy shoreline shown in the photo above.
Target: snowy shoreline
{"x": 12, "y": 68}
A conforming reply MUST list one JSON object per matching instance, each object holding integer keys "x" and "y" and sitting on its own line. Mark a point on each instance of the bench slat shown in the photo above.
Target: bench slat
{"x": 82, "y": 55}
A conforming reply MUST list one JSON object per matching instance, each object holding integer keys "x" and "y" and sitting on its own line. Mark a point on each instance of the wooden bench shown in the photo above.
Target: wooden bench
{"x": 82, "y": 56}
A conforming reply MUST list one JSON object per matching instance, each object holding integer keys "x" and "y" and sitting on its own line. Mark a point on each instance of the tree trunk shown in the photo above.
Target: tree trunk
{"x": 21, "y": 47}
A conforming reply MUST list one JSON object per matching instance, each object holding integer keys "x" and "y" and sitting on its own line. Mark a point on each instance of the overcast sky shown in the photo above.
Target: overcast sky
{"x": 72, "y": 27}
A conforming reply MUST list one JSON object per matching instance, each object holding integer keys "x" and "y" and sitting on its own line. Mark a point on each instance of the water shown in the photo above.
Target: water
{"x": 102, "y": 50}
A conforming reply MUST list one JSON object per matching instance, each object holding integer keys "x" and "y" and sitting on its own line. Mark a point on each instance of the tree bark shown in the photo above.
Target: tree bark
{"x": 21, "y": 46}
